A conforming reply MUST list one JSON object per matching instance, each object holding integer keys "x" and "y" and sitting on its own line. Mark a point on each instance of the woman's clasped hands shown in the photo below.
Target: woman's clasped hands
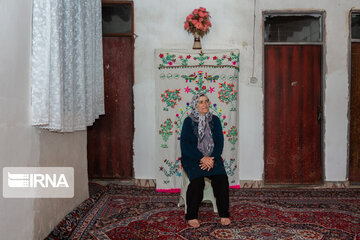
{"x": 206, "y": 163}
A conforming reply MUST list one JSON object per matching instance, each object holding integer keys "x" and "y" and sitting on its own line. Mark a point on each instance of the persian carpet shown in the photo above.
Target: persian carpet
{"x": 128, "y": 212}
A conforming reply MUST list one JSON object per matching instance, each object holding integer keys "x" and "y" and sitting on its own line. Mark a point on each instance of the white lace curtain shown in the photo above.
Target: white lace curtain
{"x": 67, "y": 67}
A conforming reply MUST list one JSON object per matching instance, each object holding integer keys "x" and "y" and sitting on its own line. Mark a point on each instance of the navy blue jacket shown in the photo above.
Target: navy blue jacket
{"x": 190, "y": 155}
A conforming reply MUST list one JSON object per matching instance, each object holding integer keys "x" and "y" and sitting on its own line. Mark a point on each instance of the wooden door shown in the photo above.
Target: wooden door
{"x": 354, "y": 171}
{"x": 292, "y": 117}
{"x": 110, "y": 139}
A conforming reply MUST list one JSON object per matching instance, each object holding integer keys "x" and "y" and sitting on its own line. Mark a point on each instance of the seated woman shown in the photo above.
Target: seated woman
{"x": 202, "y": 143}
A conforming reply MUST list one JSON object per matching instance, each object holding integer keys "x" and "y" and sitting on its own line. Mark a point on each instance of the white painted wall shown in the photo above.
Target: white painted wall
{"x": 22, "y": 145}
{"x": 18, "y": 141}
{"x": 159, "y": 24}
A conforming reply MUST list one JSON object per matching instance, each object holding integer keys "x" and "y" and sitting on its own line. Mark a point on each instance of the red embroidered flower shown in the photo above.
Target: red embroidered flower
{"x": 215, "y": 57}
{"x": 161, "y": 55}
{"x": 188, "y": 56}
{"x": 203, "y": 87}
{"x": 197, "y": 89}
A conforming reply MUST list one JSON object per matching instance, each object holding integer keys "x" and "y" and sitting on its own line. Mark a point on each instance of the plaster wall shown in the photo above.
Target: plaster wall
{"x": 159, "y": 24}
{"x": 22, "y": 145}
{"x": 19, "y": 142}
{"x": 61, "y": 150}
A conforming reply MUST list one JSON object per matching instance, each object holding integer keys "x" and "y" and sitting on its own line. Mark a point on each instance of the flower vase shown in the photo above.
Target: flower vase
{"x": 197, "y": 43}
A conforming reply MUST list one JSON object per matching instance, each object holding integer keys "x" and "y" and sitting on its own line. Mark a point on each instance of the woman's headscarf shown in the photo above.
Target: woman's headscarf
{"x": 205, "y": 140}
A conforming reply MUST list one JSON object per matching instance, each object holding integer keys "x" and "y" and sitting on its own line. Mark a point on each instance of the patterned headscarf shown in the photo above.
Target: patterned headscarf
{"x": 205, "y": 140}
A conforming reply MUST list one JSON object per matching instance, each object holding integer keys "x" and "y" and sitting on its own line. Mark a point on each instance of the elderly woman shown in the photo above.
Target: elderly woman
{"x": 202, "y": 143}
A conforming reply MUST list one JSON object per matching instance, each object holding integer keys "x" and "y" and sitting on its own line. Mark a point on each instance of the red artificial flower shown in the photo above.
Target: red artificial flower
{"x": 198, "y": 21}
{"x": 186, "y": 25}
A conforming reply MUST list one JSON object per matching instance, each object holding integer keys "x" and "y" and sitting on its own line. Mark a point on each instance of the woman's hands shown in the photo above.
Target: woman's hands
{"x": 206, "y": 163}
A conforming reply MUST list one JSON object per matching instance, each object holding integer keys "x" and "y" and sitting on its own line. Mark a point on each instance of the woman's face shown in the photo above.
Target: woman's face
{"x": 203, "y": 105}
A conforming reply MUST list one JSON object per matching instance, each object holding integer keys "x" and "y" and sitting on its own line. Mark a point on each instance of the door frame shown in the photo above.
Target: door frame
{"x": 323, "y": 72}
{"x": 130, "y": 35}
{"x": 349, "y": 84}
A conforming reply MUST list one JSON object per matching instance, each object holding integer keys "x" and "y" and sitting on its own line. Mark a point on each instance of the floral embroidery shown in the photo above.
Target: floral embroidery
{"x": 235, "y": 57}
{"x": 180, "y": 118}
{"x": 228, "y": 94}
{"x": 165, "y": 131}
{"x": 232, "y": 136}
{"x": 230, "y": 60}
{"x": 170, "y": 98}
{"x": 219, "y": 61}
{"x": 187, "y": 89}
{"x": 168, "y": 59}
{"x": 181, "y": 74}
{"x": 201, "y": 58}
{"x": 174, "y": 168}
{"x": 230, "y": 170}
{"x": 218, "y": 113}
{"x": 184, "y": 61}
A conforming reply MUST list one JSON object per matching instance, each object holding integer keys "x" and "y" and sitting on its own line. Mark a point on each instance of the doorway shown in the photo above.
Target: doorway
{"x": 292, "y": 98}
{"x": 354, "y": 151}
{"x": 110, "y": 139}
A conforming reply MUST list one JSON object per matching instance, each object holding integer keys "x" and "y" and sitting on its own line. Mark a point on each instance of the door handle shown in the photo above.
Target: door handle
{"x": 107, "y": 66}
{"x": 319, "y": 112}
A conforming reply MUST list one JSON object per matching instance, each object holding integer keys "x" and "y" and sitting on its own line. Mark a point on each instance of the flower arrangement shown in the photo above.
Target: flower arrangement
{"x": 198, "y": 22}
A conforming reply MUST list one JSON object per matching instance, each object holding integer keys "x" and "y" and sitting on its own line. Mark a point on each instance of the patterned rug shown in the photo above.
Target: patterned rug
{"x": 128, "y": 212}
